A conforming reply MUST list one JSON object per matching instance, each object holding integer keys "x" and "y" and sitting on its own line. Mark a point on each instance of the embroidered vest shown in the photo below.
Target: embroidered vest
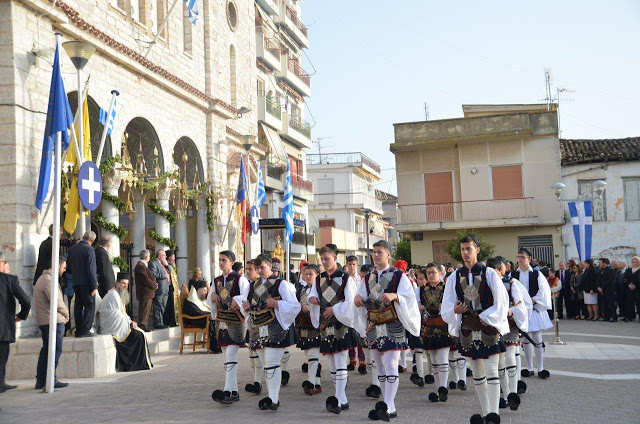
{"x": 533, "y": 281}
{"x": 260, "y": 292}
{"x": 431, "y": 298}
{"x": 479, "y": 292}
{"x": 227, "y": 291}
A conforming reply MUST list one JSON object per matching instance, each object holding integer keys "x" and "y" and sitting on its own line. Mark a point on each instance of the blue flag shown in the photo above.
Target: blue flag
{"x": 192, "y": 5}
{"x": 287, "y": 211}
{"x": 582, "y": 219}
{"x": 108, "y": 120}
{"x": 59, "y": 117}
{"x": 261, "y": 194}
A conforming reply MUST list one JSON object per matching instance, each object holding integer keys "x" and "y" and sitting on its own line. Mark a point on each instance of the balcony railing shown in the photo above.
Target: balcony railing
{"x": 298, "y": 238}
{"x": 301, "y": 182}
{"x": 339, "y": 158}
{"x": 300, "y": 126}
{"x": 271, "y": 47}
{"x": 362, "y": 200}
{"x": 294, "y": 67}
{"x": 273, "y": 108}
{"x": 291, "y": 14}
{"x": 274, "y": 171}
{"x": 467, "y": 211}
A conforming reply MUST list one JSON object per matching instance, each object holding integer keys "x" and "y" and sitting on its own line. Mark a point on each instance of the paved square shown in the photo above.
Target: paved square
{"x": 594, "y": 378}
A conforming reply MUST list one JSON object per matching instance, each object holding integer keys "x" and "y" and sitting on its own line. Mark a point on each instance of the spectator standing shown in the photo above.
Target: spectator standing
{"x": 632, "y": 280}
{"x": 81, "y": 264}
{"x": 106, "y": 277}
{"x": 42, "y": 299}
{"x": 170, "y": 317}
{"x": 606, "y": 286}
{"x": 621, "y": 294}
{"x": 590, "y": 289}
{"x": 145, "y": 288}
{"x": 159, "y": 270}
{"x": 575, "y": 285}
{"x": 564, "y": 301}
{"x": 44, "y": 254}
{"x": 10, "y": 290}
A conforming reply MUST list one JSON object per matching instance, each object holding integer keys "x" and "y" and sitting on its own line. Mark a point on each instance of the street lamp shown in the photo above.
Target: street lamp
{"x": 367, "y": 214}
{"x": 599, "y": 187}
{"x": 79, "y": 52}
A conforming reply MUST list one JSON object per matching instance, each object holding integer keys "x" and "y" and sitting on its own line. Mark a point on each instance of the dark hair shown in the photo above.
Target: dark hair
{"x": 384, "y": 244}
{"x": 590, "y": 262}
{"x": 435, "y": 265}
{"x": 469, "y": 238}
{"x": 62, "y": 259}
{"x": 494, "y": 263}
{"x": 260, "y": 260}
{"x": 423, "y": 271}
{"x": 525, "y": 251}
{"x": 605, "y": 260}
{"x": 251, "y": 262}
{"x": 351, "y": 258}
{"x": 542, "y": 263}
{"x": 502, "y": 259}
{"x": 366, "y": 268}
{"x": 237, "y": 266}
{"x": 229, "y": 254}
{"x": 313, "y": 267}
{"x": 333, "y": 247}
{"x": 327, "y": 249}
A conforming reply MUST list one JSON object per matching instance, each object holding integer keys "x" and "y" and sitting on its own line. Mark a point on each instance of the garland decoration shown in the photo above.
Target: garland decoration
{"x": 109, "y": 163}
{"x": 158, "y": 210}
{"x": 111, "y": 227}
{"x": 121, "y": 263}
{"x": 162, "y": 240}
{"x": 119, "y": 204}
{"x": 155, "y": 183}
{"x": 210, "y": 217}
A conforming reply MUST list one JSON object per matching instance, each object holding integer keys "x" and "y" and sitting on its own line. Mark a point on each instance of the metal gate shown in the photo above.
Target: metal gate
{"x": 541, "y": 247}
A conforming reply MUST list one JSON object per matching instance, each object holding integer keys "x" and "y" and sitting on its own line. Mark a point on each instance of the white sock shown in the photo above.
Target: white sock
{"x": 390, "y": 360}
{"x": 256, "y": 365}
{"x": 341, "y": 359}
{"x": 528, "y": 354}
{"x": 480, "y": 383}
{"x": 403, "y": 358}
{"x": 539, "y": 349}
{"x": 230, "y": 354}
{"x": 270, "y": 357}
{"x": 502, "y": 374}
{"x": 371, "y": 366}
{"x": 376, "y": 355}
{"x": 419, "y": 353}
{"x": 313, "y": 360}
{"x": 429, "y": 365}
{"x": 284, "y": 362}
{"x": 453, "y": 366}
{"x": 493, "y": 384}
{"x": 463, "y": 364}
{"x": 519, "y": 362}
{"x": 441, "y": 357}
{"x": 511, "y": 370}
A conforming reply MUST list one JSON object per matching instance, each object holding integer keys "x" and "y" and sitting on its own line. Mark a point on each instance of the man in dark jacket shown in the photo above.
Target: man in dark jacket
{"x": 606, "y": 286}
{"x": 10, "y": 290}
{"x": 81, "y": 264}
{"x": 44, "y": 255}
{"x": 159, "y": 270}
{"x": 106, "y": 277}
{"x": 146, "y": 287}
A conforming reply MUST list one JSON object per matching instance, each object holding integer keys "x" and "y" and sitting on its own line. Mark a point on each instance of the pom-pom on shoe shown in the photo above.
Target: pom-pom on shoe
{"x": 333, "y": 405}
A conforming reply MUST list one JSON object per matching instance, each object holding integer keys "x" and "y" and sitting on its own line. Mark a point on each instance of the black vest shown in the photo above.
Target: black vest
{"x": 486, "y": 296}
{"x": 393, "y": 285}
{"x": 533, "y": 281}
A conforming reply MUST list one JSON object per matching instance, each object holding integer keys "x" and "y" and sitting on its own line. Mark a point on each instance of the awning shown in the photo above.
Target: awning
{"x": 275, "y": 142}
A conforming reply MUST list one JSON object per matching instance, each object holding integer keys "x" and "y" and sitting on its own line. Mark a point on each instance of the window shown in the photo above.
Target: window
{"x": 232, "y": 15}
{"x": 260, "y": 87}
{"x": 507, "y": 182}
{"x": 326, "y": 223}
{"x": 585, "y": 190}
{"x": 632, "y": 199}
{"x": 232, "y": 74}
{"x": 187, "y": 30}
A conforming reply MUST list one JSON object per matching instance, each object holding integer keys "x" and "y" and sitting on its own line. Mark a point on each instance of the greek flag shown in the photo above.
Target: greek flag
{"x": 581, "y": 219}
{"x": 192, "y": 5}
{"x": 287, "y": 211}
{"x": 111, "y": 119}
{"x": 261, "y": 194}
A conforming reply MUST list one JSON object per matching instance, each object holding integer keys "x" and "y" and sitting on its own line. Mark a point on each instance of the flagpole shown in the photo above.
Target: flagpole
{"x": 80, "y": 143}
{"x": 55, "y": 261}
{"x": 166, "y": 19}
{"x": 114, "y": 94}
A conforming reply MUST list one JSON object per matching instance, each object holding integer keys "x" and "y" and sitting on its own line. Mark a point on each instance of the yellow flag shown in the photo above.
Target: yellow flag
{"x": 73, "y": 207}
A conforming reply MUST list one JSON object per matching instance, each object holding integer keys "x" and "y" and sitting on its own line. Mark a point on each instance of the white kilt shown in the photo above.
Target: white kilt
{"x": 539, "y": 320}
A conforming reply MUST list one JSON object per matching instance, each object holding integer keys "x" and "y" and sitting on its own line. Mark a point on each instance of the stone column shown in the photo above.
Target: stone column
{"x": 138, "y": 237}
{"x": 181, "y": 255}
{"x": 162, "y": 224}
{"x": 203, "y": 249}
{"x": 111, "y": 184}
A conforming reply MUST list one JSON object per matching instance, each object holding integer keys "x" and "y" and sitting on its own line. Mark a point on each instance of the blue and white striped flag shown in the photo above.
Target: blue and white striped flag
{"x": 111, "y": 119}
{"x": 582, "y": 219}
{"x": 192, "y": 5}
{"x": 261, "y": 194}
{"x": 287, "y": 211}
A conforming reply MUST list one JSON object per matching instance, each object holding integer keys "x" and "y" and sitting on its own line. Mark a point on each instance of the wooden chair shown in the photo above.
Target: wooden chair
{"x": 191, "y": 329}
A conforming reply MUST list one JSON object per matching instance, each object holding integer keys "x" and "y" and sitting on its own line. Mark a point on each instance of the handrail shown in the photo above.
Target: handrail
{"x": 459, "y": 202}
{"x": 291, "y": 14}
{"x": 348, "y": 157}
{"x": 295, "y": 67}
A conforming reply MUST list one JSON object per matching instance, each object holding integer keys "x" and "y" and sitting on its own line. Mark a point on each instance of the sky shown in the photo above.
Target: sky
{"x": 375, "y": 63}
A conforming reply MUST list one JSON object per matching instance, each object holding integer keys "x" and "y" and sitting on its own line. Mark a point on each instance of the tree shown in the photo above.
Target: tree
{"x": 402, "y": 250}
{"x": 453, "y": 246}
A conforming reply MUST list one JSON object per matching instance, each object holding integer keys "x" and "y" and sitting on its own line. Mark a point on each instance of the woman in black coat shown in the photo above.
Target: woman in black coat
{"x": 577, "y": 296}
{"x": 590, "y": 288}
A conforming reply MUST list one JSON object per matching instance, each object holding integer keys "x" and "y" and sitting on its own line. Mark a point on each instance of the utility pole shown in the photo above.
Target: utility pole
{"x": 426, "y": 111}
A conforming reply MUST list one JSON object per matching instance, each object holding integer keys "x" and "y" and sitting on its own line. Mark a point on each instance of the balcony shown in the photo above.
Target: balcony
{"x": 302, "y": 187}
{"x": 267, "y": 49}
{"x": 295, "y": 75}
{"x": 270, "y": 6}
{"x": 298, "y": 245}
{"x": 344, "y": 240}
{"x": 296, "y": 131}
{"x": 274, "y": 178}
{"x": 353, "y": 158}
{"x": 347, "y": 201}
{"x": 362, "y": 240}
{"x": 475, "y": 213}
{"x": 269, "y": 112}
{"x": 291, "y": 23}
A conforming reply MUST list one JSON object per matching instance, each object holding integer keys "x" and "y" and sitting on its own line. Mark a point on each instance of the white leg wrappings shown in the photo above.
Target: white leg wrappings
{"x": 270, "y": 357}
{"x": 528, "y": 353}
{"x": 480, "y": 383}
{"x": 230, "y": 354}
{"x": 284, "y": 362}
{"x": 313, "y": 359}
{"x": 382, "y": 375}
{"x": 511, "y": 370}
{"x": 341, "y": 359}
{"x": 442, "y": 359}
{"x": 493, "y": 383}
{"x": 419, "y": 353}
{"x": 390, "y": 360}
{"x": 519, "y": 362}
{"x": 502, "y": 374}
{"x": 539, "y": 349}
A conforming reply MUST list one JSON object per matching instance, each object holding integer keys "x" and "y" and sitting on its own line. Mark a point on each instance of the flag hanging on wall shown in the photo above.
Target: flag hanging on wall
{"x": 582, "y": 219}
{"x": 287, "y": 210}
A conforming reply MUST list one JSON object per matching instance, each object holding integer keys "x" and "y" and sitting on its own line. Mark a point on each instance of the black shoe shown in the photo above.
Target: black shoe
{"x": 59, "y": 384}
{"x": 526, "y": 373}
{"x": 373, "y": 391}
{"x": 351, "y": 367}
{"x": 492, "y": 418}
{"x": 4, "y": 387}
{"x": 522, "y": 387}
{"x": 417, "y": 380}
{"x": 401, "y": 369}
{"x": 443, "y": 394}
{"x": 285, "y": 378}
{"x": 39, "y": 386}
{"x": 82, "y": 335}
{"x": 544, "y": 374}
{"x": 414, "y": 369}
{"x": 333, "y": 405}
{"x": 393, "y": 415}
{"x": 476, "y": 419}
{"x": 381, "y": 410}
{"x": 433, "y": 397}
{"x": 225, "y": 397}
{"x": 305, "y": 367}
{"x": 254, "y": 388}
{"x": 267, "y": 404}
{"x": 429, "y": 379}
{"x": 362, "y": 369}
{"x": 502, "y": 404}
{"x": 514, "y": 401}
{"x": 469, "y": 372}
{"x": 462, "y": 385}
{"x": 452, "y": 385}
{"x": 345, "y": 407}
{"x": 216, "y": 351}
{"x": 613, "y": 320}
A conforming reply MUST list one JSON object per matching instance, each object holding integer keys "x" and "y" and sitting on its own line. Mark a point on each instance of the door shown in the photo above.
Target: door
{"x": 440, "y": 254}
{"x": 438, "y": 195}
{"x": 541, "y": 247}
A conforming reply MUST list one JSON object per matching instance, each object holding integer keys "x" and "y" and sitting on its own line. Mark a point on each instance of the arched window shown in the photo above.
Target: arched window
{"x": 185, "y": 146}
{"x": 142, "y": 138}
{"x": 232, "y": 75}
{"x": 94, "y": 126}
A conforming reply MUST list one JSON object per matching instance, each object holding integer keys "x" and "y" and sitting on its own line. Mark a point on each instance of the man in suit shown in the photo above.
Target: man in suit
{"x": 106, "y": 277}
{"x": 606, "y": 287}
{"x": 565, "y": 293}
{"x": 159, "y": 270}
{"x": 81, "y": 264}
{"x": 146, "y": 287}
{"x": 10, "y": 290}
{"x": 44, "y": 255}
